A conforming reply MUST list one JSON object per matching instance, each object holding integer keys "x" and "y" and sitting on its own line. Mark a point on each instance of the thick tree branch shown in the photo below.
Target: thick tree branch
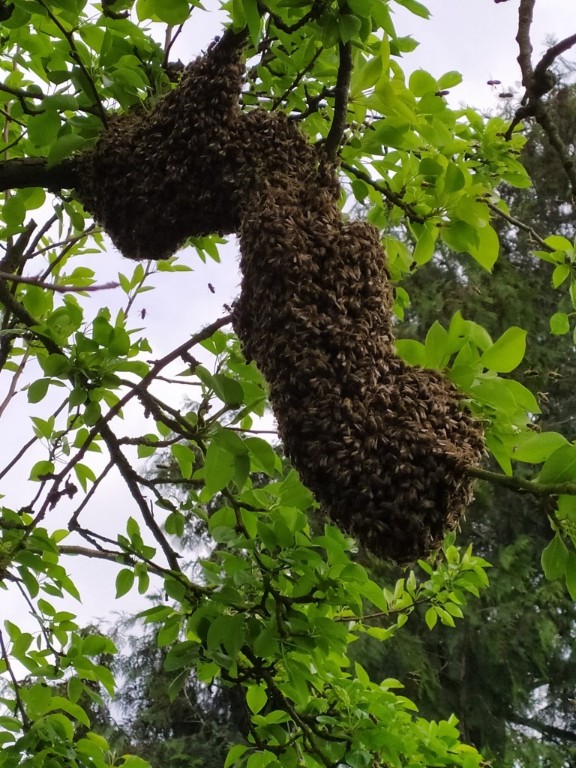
{"x": 551, "y": 732}
{"x": 21, "y": 173}
{"x": 538, "y": 81}
{"x": 339, "y": 120}
{"x": 525, "y": 13}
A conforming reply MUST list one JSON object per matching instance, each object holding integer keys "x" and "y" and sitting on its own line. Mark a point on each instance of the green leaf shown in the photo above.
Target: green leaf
{"x": 41, "y": 470}
{"x": 425, "y": 245}
{"x": 37, "y": 390}
{"x": 64, "y": 147}
{"x": 449, "y": 80}
{"x": 507, "y": 352}
{"x": 218, "y": 467}
{"x": 422, "y": 82}
{"x": 555, "y": 558}
{"x": 124, "y": 581}
{"x": 168, "y": 11}
{"x": 486, "y": 254}
{"x": 437, "y": 346}
{"x": 55, "y": 365}
{"x": 133, "y": 761}
{"x": 415, "y": 7}
{"x": 43, "y": 129}
{"x": 234, "y": 755}
{"x": 571, "y": 574}
{"x": 349, "y": 26}
{"x": 560, "y": 467}
{"x": 536, "y": 447}
{"x": 253, "y": 19}
{"x": 559, "y": 323}
{"x": 256, "y": 698}
{"x": 461, "y": 237}
{"x": 560, "y": 274}
{"x": 431, "y": 618}
{"x": 13, "y": 212}
{"x": 411, "y": 351}
{"x": 263, "y": 455}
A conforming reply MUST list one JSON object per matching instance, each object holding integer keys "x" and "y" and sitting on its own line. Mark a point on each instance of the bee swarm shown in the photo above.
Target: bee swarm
{"x": 382, "y": 445}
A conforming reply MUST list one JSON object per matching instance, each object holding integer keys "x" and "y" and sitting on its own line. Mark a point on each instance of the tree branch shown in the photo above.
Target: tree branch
{"x": 132, "y": 481}
{"x": 520, "y": 485}
{"x": 552, "y": 732}
{"x": 23, "y": 172}
{"x": 520, "y": 224}
{"x": 55, "y": 287}
{"x": 385, "y": 191}
{"x": 340, "y": 100}
{"x": 16, "y": 685}
{"x": 525, "y": 13}
{"x": 75, "y": 56}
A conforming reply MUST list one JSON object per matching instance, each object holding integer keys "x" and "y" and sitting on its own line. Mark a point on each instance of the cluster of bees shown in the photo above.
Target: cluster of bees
{"x": 382, "y": 445}
{"x": 158, "y": 176}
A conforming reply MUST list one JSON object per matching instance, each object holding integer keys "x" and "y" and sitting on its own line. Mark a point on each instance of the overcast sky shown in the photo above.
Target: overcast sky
{"x": 475, "y": 37}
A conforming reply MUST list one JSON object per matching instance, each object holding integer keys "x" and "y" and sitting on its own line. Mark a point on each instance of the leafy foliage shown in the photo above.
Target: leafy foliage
{"x": 272, "y": 607}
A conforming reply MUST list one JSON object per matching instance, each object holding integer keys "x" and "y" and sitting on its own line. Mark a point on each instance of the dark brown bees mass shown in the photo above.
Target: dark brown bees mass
{"x": 382, "y": 445}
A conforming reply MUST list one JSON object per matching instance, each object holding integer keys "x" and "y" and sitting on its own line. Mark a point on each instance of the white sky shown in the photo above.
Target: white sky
{"x": 475, "y": 37}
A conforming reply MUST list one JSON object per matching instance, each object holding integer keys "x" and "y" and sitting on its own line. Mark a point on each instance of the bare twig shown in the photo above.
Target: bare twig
{"x": 132, "y": 481}
{"x": 520, "y": 224}
{"x": 13, "y": 383}
{"x": 73, "y": 522}
{"x": 54, "y": 287}
{"x": 44, "y": 229}
{"x": 169, "y": 41}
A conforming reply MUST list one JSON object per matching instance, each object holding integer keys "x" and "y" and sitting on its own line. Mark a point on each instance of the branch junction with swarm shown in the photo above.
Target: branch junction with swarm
{"x": 388, "y": 449}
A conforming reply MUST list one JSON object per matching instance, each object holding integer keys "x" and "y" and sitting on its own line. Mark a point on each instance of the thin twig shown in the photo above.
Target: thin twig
{"x": 29, "y": 444}
{"x": 521, "y": 485}
{"x": 75, "y": 55}
{"x": 520, "y": 224}
{"x": 135, "y": 391}
{"x": 54, "y": 287}
{"x": 73, "y": 522}
{"x": 169, "y": 42}
{"x": 17, "y": 698}
{"x": 22, "y": 95}
{"x": 13, "y": 383}
{"x": 132, "y": 481}
{"x": 392, "y": 197}
{"x": 296, "y": 82}
{"x": 313, "y": 13}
